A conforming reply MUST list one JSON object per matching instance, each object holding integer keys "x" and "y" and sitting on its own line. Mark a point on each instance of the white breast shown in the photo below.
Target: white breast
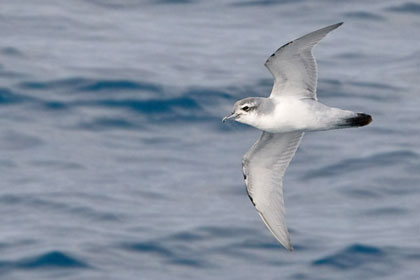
{"x": 294, "y": 114}
{"x": 289, "y": 114}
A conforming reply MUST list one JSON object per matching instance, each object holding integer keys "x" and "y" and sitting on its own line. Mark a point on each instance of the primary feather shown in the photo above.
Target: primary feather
{"x": 264, "y": 166}
{"x": 294, "y": 67}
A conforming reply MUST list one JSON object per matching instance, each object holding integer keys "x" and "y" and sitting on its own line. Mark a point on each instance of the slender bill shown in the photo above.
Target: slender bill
{"x": 233, "y": 115}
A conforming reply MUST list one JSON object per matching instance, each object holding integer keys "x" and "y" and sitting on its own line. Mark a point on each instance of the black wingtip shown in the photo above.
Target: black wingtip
{"x": 337, "y": 25}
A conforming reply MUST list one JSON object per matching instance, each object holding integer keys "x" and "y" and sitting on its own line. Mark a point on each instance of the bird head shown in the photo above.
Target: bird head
{"x": 244, "y": 110}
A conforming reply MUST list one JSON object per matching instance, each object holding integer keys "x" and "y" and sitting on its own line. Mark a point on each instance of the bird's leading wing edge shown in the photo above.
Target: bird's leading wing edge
{"x": 264, "y": 166}
{"x": 294, "y": 67}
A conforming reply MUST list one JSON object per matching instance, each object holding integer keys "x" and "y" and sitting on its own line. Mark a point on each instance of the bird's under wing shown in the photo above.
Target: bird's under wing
{"x": 264, "y": 166}
{"x": 294, "y": 67}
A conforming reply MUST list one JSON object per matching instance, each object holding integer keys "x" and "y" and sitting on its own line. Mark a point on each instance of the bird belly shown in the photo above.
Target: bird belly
{"x": 302, "y": 115}
{"x": 289, "y": 115}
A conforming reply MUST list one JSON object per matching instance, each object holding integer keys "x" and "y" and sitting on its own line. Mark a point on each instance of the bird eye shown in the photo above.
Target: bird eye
{"x": 246, "y": 108}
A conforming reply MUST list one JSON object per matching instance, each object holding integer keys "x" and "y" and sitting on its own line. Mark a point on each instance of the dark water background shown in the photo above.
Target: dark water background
{"x": 114, "y": 163}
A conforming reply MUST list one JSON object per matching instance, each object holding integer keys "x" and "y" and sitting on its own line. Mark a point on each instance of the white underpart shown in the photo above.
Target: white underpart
{"x": 295, "y": 111}
{"x": 294, "y": 114}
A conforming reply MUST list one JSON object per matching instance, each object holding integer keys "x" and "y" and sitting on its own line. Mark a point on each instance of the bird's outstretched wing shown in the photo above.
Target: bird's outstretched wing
{"x": 264, "y": 166}
{"x": 294, "y": 67}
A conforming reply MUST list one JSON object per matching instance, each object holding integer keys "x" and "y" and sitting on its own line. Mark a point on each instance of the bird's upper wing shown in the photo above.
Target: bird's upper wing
{"x": 264, "y": 166}
{"x": 294, "y": 67}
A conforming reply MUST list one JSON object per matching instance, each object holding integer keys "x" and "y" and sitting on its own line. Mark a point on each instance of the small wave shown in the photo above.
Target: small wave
{"x": 410, "y": 7}
{"x": 355, "y": 164}
{"x": 178, "y": 109}
{"x": 332, "y": 88}
{"x": 64, "y": 208}
{"x": 56, "y": 164}
{"x": 102, "y": 85}
{"x": 9, "y": 97}
{"x": 177, "y": 256}
{"x": 349, "y": 56}
{"x": 216, "y": 232}
{"x": 10, "y": 199}
{"x": 373, "y": 85}
{"x": 54, "y": 84}
{"x": 55, "y": 105}
{"x": 11, "y": 140}
{"x": 187, "y": 262}
{"x": 104, "y": 123}
{"x": 363, "y": 15}
{"x": 151, "y": 105}
{"x": 131, "y": 4}
{"x": 188, "y": 105}
{"x": 83, "y": 84}
{"x": 187, "y": 236}
{"x": 7, "y": 164}
{"x": 52, "y": 259}
{"x": 149, "y": 247}
{"x": 10, "y": 51}
{"x": 385, "y": 211}
{"x": 174, "y": 2}
{"x": 264, "y": 3}
{"x": 191, "y": 105}
{"x": 207, "y": 94}
{"x": 353, "y": 256}
{"x": 11, "y": 74}
{"x": 190, "y": 248}
{"x": 115, "y": 4}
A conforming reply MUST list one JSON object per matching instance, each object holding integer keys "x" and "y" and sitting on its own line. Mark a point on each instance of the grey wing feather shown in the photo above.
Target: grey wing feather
{"x": 264, "y": 166}
{"x": 293, "y": 66}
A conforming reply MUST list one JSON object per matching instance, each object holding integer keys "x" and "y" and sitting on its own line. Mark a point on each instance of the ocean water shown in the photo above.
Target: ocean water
{"x": 114, "y": 163}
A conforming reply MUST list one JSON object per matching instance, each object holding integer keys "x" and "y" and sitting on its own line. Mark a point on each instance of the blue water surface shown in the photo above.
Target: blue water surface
{"x": 114, "y": 162}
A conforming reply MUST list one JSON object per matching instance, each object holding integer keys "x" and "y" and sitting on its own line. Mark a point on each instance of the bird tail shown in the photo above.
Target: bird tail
{"x": 357, "y": 120}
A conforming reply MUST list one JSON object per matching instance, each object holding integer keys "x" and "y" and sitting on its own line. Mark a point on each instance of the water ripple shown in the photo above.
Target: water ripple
{"x": 363, "y": 15}
{"x": 37, "y": 203}
{"x": 410, "y": 7}
{"x": 11, "y": 51}
{"x": 352, "y": 257}
{"x": 83, "y": 84}
{"x": 179, "y": 255}
{"x": 356, "y": 164}
{"x": 52, "y": 259}
{"x": 12, "y": 140}
{"x": 7, "y": 97}
{"x": 264, "y": 3}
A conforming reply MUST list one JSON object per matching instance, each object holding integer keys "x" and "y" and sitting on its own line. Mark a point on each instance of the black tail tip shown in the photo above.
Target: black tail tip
{"x": 360, "y": 120}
